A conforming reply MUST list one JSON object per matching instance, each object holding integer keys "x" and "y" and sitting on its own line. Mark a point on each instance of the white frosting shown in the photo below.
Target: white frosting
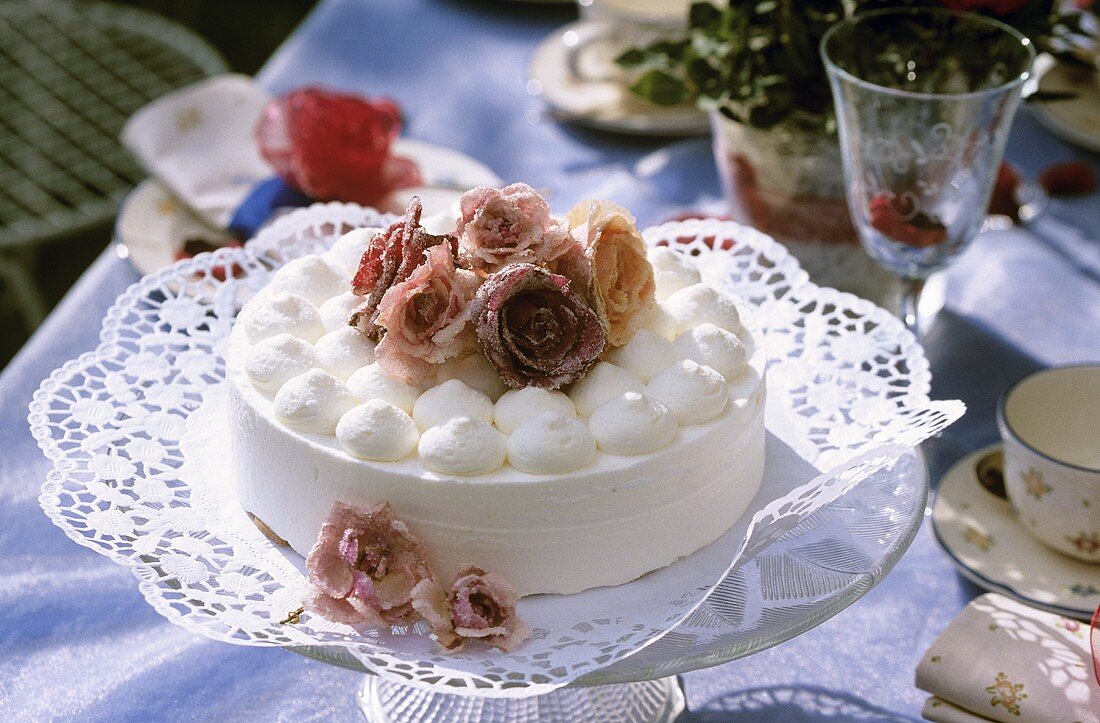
{"x": 313, "y": 402}
{"x": 348, "y": 250}
{"x": 281, "y": 313}
{"x": 463, "y": 446}
{"x": 276, "y": 360}
{"x": 692, "y": 392}
{"x": 344, "y": 351}
{"x": 672, "y": 271}
{"x": 632, "y": 424}
{"x": 475, "y": 371}
{"x": 449, "y": 400}
{"x": 377, "y": 430}
{"x": 644, "y": 355}
{"x": 373, "y": 382}
{"x": 602, "y": 382}
{"x": 551, "y": 444}
{"x": 311, "y": 277}
{"x": 714, "y": 347}
{"x": 517, "y": 406}
{"x": 336, "y": 312}
{"x": 702, "y": 304}
{"x": 661, "y": 323}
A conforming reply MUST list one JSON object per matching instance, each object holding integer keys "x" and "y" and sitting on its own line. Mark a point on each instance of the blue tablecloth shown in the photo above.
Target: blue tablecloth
{"x": 77, "y": 640}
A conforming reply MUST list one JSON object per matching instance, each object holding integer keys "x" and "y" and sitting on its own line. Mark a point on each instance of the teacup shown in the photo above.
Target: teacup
{"x": 1050, "y": 425}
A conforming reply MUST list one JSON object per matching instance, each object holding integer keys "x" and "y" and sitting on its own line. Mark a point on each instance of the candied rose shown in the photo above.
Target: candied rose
{"x": 902, "y": 225}
{"x": 507, "y": 225}
{"x": 425, "y": 317}
{"x": 364, "y": 567}
{"x": 430, "y": 601}
{"x": 483, "y": 605}
{"x": 534, "y": 329}
{"x": 335, "y": 146}
{"x": 390, "y": 258}
{"x": 1070, "y": 178}
{"x": 622, "y": 289}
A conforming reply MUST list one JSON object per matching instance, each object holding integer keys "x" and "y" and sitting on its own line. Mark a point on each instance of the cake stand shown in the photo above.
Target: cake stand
{"x": 133, "y": 478}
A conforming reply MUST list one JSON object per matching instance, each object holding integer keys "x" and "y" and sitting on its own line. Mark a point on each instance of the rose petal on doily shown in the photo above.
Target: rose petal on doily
{"x": 483, "y": 605}
{"x": 368, "y": 560}
{"x": 508, "y": 225}
{"x": 534, "y": 329}
{"x": 430, "y": 601}
{"x": 622, "y": 289}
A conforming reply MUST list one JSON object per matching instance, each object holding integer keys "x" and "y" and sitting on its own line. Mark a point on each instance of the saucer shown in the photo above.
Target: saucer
{"x": 602, "y": 104}
{"x": 153, "y": 225}
{"x": 1076, "y": 120}
{"x": 980, "y": 534}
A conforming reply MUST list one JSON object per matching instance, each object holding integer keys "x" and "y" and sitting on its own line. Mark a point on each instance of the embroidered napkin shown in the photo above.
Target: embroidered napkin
{"x": 198, "y": 143}
{"x": 1000, "y": 660}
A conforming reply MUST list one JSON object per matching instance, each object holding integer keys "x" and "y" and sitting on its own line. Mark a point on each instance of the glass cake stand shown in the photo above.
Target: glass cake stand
{"x": 833, "y": 558}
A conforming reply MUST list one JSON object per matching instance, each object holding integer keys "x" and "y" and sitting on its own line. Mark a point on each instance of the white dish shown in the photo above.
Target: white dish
{"x": 981, "y": 535}
{"x": 1076, "y": 120}
{"x": 603, "y": 104}
{"x": 152, "y": 224}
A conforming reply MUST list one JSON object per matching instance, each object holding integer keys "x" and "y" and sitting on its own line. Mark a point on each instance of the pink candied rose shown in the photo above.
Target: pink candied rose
{"x": 534, "y": 329}
{"x": 425, "y": 317}
{"x": 481, "y": 605}
{"x": 507, "y": 225}
{"x": 390, "y": 258}
{"x": 364, "y": 567}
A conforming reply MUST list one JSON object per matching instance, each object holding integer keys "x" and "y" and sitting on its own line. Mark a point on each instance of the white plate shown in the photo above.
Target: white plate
{"x": 152, "y": 225}
{"x": 980, "y": 534}
{"x": 606, "y": 105}
{"x": 1076, "y": 120}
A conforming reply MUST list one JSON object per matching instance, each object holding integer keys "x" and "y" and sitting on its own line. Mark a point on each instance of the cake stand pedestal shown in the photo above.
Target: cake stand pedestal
{"x": 656, "y": 701}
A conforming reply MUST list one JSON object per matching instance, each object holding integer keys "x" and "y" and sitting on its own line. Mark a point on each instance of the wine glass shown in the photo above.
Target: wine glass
{"x": 924, "y": 101}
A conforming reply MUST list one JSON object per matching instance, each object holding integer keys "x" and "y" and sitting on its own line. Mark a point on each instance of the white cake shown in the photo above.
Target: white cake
{"x": 652, "y": 455}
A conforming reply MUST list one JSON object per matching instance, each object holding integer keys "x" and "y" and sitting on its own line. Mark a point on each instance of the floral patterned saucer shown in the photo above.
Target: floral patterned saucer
{"x": 979, "y": 532}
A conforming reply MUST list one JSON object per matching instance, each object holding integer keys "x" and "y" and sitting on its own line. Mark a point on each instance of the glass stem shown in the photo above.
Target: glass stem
{"x": 910, "y": 302}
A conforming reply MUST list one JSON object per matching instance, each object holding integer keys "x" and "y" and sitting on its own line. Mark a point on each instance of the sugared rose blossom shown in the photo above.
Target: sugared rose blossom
{"x": 502, "y": 226}
{"x": 364, "y": 567}
{"x": 390, "y": 258}
{"x": 622, "y": 289}
{"x": 425, "y": 317}
{"x": 534, "y": 329}
{"x": 483, "y": 605}
{"x": 335, "y": 146}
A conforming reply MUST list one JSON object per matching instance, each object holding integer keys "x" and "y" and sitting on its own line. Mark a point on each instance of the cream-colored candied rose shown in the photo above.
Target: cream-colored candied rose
{"x": 622, "y": 288}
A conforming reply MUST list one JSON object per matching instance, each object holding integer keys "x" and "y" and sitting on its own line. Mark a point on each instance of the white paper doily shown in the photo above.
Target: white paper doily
{"x": 848, "y": 390}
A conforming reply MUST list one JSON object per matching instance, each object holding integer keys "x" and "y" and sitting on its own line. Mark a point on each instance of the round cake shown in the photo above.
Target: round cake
{"x": 615, "y": 459}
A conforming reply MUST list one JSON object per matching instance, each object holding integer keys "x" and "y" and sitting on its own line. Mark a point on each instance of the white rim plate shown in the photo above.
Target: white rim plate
{"x": 1076, "y": 120}
{"x": 605, "y": 105}
{"x": 980, "y": 534}
{"x": 152, "y": 225}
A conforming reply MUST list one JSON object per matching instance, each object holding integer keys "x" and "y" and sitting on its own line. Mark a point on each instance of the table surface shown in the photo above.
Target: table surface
{"x": 77, "y": 640}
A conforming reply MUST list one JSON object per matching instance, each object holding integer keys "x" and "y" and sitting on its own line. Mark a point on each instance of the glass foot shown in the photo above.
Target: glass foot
{"x": 660, "y": 701}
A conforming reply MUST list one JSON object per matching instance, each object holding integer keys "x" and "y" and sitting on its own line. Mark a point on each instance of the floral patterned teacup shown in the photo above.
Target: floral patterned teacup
{"x": 1050, "y": 424}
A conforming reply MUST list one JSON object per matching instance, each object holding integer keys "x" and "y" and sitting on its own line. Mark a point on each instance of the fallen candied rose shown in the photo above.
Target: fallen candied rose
{"x": 483, "y": 605}
{"x": 425, "y": 317}
{"x": 534, "y": 329}
{"x": 335, "y": 146}
{"x": 622, "y": 289}
{"x": 429, "y": 600}
{"x": 901, "y": 225}
{"x": 364, "y": 566}
{"x": 390, "y": 258}
{"x": 508, "y": 225}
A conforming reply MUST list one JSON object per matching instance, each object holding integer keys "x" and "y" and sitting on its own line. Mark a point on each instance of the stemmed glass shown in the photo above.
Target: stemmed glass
{"x": 924, "y": 102}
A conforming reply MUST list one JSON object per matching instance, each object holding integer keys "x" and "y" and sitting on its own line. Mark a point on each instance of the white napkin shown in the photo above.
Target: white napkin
{"x": 1000, "y": 660}
{"x": 198, "y": 142}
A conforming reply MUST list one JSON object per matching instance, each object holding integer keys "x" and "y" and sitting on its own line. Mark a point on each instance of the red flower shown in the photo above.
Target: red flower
{"x": 996, "y": 7}
{"x": 334, "y": 146}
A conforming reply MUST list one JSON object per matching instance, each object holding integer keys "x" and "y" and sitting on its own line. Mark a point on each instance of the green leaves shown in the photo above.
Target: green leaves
{"x": 662, "y": 88}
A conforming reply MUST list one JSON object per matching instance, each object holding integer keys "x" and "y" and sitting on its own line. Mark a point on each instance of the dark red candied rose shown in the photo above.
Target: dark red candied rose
{"x": 364, "y": 567}
{"x": 1072, "y": 178}
{"x": 335, "y": 146}
{"x": 390, "y": 259}
{"x": 1003, "y": 201}
{"x": 919, "y": 230}
{"x": 534, "y": 329}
